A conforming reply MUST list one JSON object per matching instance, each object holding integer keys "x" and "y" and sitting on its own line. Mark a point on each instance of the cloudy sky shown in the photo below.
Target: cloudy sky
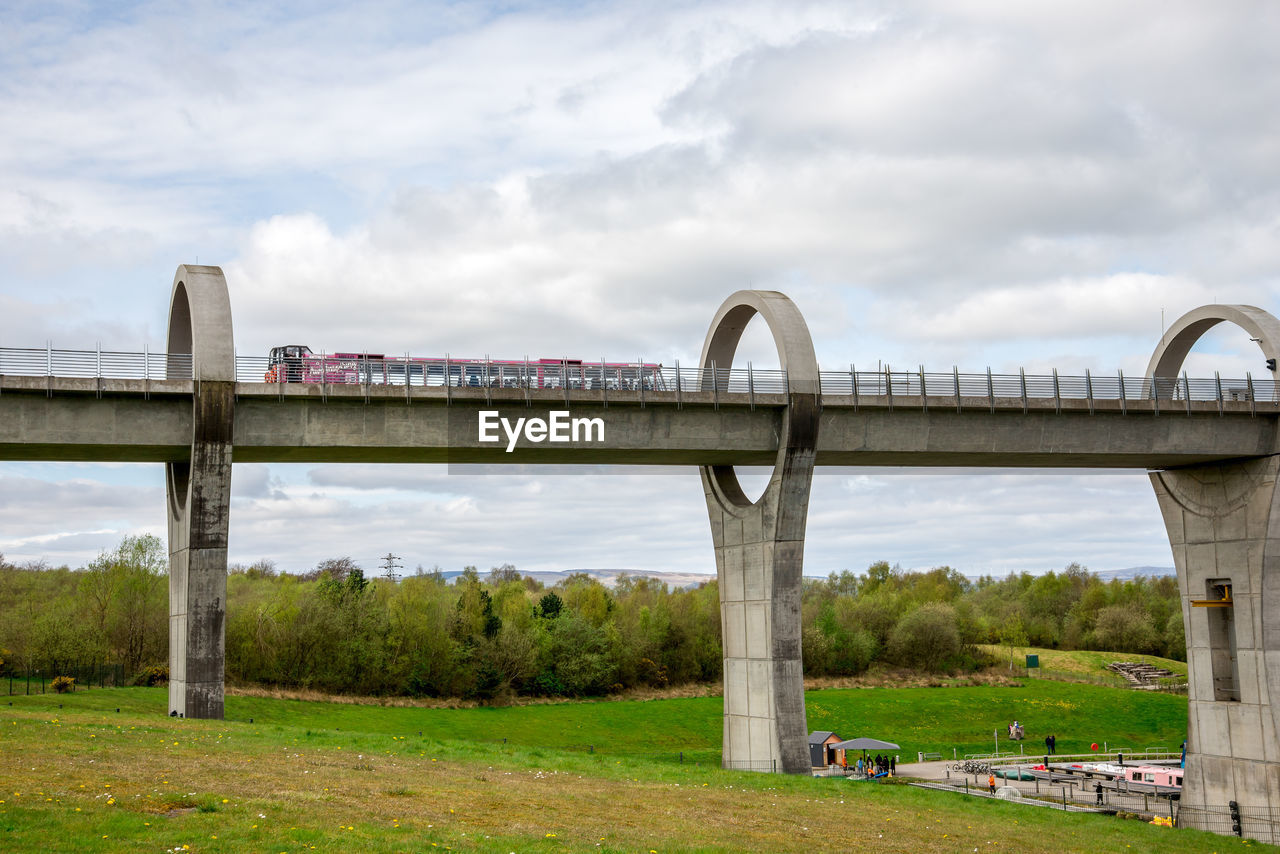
{"x": 952, "y": 183}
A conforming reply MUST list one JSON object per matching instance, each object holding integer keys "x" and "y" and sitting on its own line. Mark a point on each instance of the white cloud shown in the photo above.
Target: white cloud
{"x": 963, "y": 183}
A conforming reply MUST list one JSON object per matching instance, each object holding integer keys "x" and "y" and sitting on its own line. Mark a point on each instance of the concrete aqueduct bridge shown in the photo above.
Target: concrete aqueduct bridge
{"x": 1210, "y": 447}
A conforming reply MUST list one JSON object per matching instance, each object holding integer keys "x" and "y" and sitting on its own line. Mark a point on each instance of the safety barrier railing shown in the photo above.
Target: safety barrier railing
{"x": 105, "y": 364}
{"x": 1034, "y": 751}
{"x": 939, "y": 389}
{"x": 917, "y": 388}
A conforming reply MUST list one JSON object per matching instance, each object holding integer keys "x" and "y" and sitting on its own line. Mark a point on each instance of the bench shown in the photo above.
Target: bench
{"x": 930, "y": 757}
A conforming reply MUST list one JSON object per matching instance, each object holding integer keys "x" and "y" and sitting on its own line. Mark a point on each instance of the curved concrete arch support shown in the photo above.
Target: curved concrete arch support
{"x": 199, "y": 493}
{"x": 1179, "y": 338}
{"x": 1223, "y": 522}
{"x": 760, "y": 551}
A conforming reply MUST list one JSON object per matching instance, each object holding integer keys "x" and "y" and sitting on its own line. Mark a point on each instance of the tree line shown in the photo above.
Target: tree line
{"x": 114, "y": 610}
{"x": 488, "y": 635}
{"x": 935, "y": 620}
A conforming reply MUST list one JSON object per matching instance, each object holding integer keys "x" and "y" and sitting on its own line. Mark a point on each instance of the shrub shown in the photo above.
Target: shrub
{"x": 63, "y": 684}
{"x": 1127, "y": 628}
{"x": 156, "y": 674}
{"x": 581, "y": 656}
{"x": 926, "y": 638}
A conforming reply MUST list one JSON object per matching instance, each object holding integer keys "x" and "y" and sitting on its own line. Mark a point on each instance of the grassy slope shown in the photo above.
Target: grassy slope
{"x": 926, "y": 719}
{"x": 341, "y": 776}
{"x": 1082, "y": 662}
{"x": 963, "y": 719}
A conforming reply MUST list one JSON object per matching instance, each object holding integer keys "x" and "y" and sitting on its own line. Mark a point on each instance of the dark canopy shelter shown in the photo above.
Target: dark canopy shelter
{"x": 865, "y": 744}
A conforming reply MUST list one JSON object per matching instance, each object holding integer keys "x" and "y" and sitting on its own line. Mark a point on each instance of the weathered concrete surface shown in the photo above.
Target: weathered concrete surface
{"x": 1224, "y": 526}
{"x": 304, "y": 425}
{"x": 760, "y": 552}
{"x": 199, "y": 495}
{"x": 82, "y": 427}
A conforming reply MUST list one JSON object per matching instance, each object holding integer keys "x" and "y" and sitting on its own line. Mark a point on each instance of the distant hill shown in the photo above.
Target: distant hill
{"x": 607, "y": 577}
{"x": 1135, "y": 571}
{"x": 1122, "y": 574}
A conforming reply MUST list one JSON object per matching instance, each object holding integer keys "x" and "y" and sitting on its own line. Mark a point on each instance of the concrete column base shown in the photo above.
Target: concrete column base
{"x": 760, "y": 584}
{"x": 199, "y": 495}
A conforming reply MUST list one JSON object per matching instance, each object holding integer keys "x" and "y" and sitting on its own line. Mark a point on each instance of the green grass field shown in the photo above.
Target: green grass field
{"x": 319, "y": 776}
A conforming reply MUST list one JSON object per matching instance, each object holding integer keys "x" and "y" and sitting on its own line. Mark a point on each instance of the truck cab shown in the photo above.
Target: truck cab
{"x": 284, "y": 364}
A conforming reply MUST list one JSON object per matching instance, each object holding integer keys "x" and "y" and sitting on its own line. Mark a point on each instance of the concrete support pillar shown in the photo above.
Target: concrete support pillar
{"x": 760, "y": 552}
{"x": 199, "y": 494}
{"x": 1224, "y": 526}
{"x": 1221, "y": 521}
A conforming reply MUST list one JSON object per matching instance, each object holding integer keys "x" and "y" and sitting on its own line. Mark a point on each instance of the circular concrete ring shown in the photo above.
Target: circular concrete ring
{"x": 200, "y": 324}
{"x": 795, "y": 353}
{"x": 1176, "y": 343}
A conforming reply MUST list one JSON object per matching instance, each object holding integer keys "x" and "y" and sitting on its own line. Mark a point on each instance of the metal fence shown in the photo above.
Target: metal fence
{"x": 94, "y": 363}
{"x": 765, "y": 766}
{"x": 84, "y": 677}
{"x": 1034, "y": 751}
{"x": 1261, "y": 823}
{"x": 1251, "y": 822}
{"x": 919, "y": 387}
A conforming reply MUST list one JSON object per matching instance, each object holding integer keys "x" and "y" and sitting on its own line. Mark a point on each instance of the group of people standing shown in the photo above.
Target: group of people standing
{"x": 873, "y": 767}
{"x": 1051, "y": 743}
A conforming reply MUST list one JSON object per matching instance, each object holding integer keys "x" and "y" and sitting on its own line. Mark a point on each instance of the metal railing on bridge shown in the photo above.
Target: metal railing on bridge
{"x": 90, "y": 364}
{"x": 915, "y": 388}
